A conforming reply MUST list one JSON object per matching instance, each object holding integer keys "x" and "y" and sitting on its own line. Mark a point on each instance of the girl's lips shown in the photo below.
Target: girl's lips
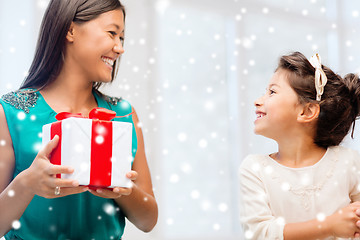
{"x": 259, "y": 114}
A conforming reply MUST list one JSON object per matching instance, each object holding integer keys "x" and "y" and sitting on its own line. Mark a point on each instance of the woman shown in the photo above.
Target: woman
{"x": 79, "y": 45}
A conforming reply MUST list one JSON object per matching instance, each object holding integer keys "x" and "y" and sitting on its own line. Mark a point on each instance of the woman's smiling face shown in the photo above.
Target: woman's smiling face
{"x": 95, "y": 45}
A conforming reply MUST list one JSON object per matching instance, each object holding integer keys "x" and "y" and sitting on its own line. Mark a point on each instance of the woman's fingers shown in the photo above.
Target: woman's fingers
{"x": 49, "y": 147}
{"x": 59, "y": 169}
{"x": 105, "y": 193}
{"x": 132, "y": 175}
{"x": 55, "y": 192}
{"x": 64, "y": 191}
{"x": 108, "y": 193}
{"x": 58, "y": 182}
{"x": 122, "y": 191}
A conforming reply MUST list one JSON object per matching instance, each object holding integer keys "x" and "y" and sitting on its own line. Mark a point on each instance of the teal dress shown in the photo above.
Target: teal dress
{"x": 80, "y": 216}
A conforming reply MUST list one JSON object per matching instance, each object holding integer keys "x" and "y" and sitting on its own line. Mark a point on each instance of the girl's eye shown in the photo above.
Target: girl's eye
{"x": 122, "y": 40}
{"x": 271, "y": 92}
{"x": 112, "y": 33}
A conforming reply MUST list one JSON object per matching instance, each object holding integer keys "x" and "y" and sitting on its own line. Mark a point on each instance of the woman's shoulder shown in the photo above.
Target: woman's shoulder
{"x": 118, "y": 104}
{"x": 22, "y": 99}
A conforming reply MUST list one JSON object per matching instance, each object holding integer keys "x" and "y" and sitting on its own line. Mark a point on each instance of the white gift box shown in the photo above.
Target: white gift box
{"x": 100, "y": 152}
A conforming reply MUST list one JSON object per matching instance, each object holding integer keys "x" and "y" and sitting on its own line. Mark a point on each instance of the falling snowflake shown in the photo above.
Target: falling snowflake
{"x": 11, "y": 193}
{"x": 165, "y": 152}
{"x": 37, "y": 146}
{"x": 192, "y": 60}
{"x": 216, "y": 227}
{"x": 99, "y": 139}
{"x": 79, "y": 148}
{"x": 174, "y": 178}
{"x": 151, "y": 60}
{"x": 285, "y": 186}
{"x": 109, "y": 209}
{"x": 203, "y": 143}
{"x": 320, "y": 217}
{"x": 249, "y": 234}
{"x": 223, "y": 207}
{"x": 206, "y": 205}
{"x": 268, "y": 169}
{"x": 186, "y": 168}
{"x": 151, "y": 116}
{"x": 169, "y": 221}
{"x": 195, "y": 194}
{"x": 42, "y": 4}
{"x": 280, "y": 221}
{"x": 16, "y": 224}
{"x": 182, "y": 137}
{"x": 21, "y": 115}
{"x": 209, "y": 105}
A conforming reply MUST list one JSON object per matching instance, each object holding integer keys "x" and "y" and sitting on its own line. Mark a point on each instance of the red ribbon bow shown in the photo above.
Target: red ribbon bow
{"x": 96, "y": 113}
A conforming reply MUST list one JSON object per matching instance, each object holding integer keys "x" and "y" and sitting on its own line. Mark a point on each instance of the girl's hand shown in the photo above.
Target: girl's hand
{"x": 117, "y": 191}
{"x": 345, "y": 222}
{"x": 40, "y": 177}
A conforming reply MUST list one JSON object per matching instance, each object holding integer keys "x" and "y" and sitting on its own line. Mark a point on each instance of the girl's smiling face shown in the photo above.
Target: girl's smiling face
{"x": 278, "y": 108}
{"x": 95, "y": 45}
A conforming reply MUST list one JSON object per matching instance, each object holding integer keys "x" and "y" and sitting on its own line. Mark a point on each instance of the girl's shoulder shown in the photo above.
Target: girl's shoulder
{"x": 254, "y": 161}
{"x": 344, "y": 153}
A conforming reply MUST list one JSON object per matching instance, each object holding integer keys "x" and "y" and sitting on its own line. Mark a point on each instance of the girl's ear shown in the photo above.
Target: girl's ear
{"x": 71, "y": 32}
{"x": 309, "y": 113}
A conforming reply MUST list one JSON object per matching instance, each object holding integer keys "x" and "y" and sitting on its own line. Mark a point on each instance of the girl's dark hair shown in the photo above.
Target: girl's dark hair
{"x": 339, "y": 105}
{"x": 59, "y": 15}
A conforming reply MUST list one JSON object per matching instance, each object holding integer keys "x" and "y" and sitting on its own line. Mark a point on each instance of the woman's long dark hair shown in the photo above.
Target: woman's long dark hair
{"x": 48, "y": 59}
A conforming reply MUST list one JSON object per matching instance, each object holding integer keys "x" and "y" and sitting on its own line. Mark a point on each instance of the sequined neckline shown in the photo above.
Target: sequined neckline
{"x": 24, "y": 99}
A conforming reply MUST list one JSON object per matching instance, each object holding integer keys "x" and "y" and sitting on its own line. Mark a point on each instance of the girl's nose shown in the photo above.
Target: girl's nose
{"x": 259, "y": 101}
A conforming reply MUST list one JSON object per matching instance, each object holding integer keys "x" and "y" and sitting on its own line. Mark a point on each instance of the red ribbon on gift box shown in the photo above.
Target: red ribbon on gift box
{"x": 101, "y": 144}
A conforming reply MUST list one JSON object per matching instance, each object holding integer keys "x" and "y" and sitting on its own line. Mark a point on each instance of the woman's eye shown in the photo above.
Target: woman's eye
{"x": 122, "y": 40}
{"x": 112, "y": 33}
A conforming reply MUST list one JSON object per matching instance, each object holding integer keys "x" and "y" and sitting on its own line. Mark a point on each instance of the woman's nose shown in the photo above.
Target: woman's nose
{"x": 118, "y": 48}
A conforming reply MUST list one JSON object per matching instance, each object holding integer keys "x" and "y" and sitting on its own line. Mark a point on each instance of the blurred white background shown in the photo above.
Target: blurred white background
{"x": 192, "y": 69}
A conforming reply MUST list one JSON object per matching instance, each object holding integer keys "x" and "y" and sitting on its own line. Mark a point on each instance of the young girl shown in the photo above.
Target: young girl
{"x": 309, "y": 188}
{"x": 79, "y": 44}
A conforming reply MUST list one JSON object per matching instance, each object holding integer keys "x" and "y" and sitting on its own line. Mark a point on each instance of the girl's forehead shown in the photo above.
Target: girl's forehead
{"x": 279, "y": 78}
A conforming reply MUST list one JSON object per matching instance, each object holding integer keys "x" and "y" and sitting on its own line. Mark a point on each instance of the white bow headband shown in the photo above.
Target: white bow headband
{"x": 320, "y": 76}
